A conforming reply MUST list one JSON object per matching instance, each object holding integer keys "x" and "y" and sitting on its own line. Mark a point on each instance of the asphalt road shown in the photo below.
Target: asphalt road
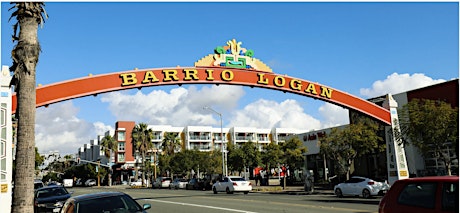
{"x": 191, "y": 201}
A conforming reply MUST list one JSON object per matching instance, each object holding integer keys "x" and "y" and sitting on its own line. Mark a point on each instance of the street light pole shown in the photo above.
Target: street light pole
{"x": 222, "y": 148}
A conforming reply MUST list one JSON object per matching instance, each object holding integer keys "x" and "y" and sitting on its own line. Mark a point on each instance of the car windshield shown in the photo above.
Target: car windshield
{"x": 115, "y": 204}
{"x": 51, "y": 192}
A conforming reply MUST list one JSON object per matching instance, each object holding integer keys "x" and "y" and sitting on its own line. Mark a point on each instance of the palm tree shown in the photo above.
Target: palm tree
{"x": 25, "y": 58}
{"x": 109, "y": 144}
{"x": 142, "y": 140}
{"x": 170, "y": 143}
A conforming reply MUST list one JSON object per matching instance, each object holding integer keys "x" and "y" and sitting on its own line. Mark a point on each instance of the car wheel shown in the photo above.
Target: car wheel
{"x": 338, "y": 193}
{"x": 214, "y": 190}
{"x": 228, "y": 190}
{"x": 366, "y": 193}
{"x": 246, "y": 193}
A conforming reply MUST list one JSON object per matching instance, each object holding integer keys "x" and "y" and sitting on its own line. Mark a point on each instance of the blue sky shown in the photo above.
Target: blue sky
{"x": 365, "y": 49}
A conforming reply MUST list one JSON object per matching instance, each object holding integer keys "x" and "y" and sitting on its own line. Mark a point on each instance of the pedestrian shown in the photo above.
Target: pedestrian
{"x": 257, "y": 179}
{"x": 262, "y": 177}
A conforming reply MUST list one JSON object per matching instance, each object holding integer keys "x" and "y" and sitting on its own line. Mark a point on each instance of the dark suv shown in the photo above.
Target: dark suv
{"x": 422, "y": 195}
{"x": 199, "y": 184}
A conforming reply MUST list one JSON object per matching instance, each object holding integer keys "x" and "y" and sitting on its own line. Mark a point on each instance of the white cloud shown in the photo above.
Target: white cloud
{"x": 58, "y": 128}
{"x": 178, "y": 107}
{"x": 398, "y": 83}
{"x": 333, "y": 115}
{"x": 268, "y": 114}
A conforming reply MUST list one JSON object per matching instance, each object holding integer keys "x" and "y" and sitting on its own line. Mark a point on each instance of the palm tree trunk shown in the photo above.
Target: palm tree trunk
{"x": 26, "y": 51}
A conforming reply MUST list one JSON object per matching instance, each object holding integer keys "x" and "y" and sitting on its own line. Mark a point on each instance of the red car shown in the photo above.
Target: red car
{"x": 422, "y": 195}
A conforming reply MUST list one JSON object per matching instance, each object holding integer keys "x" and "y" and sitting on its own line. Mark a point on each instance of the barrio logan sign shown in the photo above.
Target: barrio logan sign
{"x": 230, "y": 65}
{"x": 224, "y": 75}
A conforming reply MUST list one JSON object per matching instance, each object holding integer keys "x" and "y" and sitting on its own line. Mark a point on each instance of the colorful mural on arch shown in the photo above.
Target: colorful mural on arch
{"x": 231, "y": 65}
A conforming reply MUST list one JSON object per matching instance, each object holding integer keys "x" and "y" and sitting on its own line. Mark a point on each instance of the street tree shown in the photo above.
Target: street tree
{"x": 343, "y": 146}
{"x": 432, "y": 127}
{"x": 293, "y": 150}
{"x": 211, "y": 162}
{"x": 244, "y": 156}
{"x": 164, "y": 164}
{"x": 39, "y": 159}
{"x": 25, "y": 56}
{"x": 250, "y": 155}
{"x": 183, "y": 162}
{"x": 234, "y": 158}
{"x": 110, "y": 145}
{"x": 142, "y": 140}
{"x": 271, "y": 155}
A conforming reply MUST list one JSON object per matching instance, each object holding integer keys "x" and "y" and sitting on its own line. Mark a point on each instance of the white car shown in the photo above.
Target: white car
{"x": 90, "y": 182}
{"x": 363, "y": 186}
{"x": 136, "y": 183}
{"x": 161, "y": 182}
{"x": 232, "y": 184}
{"x": 178, "y": 184}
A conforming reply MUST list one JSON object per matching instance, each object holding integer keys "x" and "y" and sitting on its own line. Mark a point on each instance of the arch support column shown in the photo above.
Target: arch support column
{"x": 396, "y": 155}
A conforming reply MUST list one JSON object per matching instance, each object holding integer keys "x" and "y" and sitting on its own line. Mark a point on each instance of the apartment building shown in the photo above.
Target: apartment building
{"x": 202, "y": 138}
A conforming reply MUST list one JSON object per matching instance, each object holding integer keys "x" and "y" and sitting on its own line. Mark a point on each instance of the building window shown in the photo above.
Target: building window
{"x": 121, "y": 136}
{"x": 121, "y": 146}
{"x": 121, "y": 157}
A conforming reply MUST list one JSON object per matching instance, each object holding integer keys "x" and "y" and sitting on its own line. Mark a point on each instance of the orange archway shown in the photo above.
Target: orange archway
{"x": 93, "y": 85}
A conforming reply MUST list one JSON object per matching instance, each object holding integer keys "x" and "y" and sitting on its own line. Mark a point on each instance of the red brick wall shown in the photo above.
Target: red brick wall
{"x": 128, "y": 126}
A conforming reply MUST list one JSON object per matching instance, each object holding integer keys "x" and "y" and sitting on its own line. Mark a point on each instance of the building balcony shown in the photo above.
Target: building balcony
{"x": 194, "y": 137}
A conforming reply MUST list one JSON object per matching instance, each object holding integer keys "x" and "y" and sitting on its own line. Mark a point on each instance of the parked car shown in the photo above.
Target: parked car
{"x": 198, "y": 184}
{"x": 422, "y": 195}
{"x": 162, "y": 182}
{"x": 90, "y": 182}
{"x": 50, "y": 198}
{"x": 363, "y": 186}
{"x": 232, "y": 184}
{"x": 114, "y": 202}
{"x": 178, "y": 183}
{"x": 136, "y": 183}
{"x": 38, "y": 184}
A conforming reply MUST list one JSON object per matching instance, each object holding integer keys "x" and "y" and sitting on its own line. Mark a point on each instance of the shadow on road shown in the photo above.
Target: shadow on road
{"x": 371, "y": 201}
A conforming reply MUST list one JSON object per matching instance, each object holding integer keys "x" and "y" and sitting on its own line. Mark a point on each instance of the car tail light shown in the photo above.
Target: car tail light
{"x": 234, "y": 183}
{"x": 250, "y": 183}
{"x": 370, "y": 183}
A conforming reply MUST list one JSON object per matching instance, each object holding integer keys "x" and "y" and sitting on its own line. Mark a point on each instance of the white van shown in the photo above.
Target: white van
{"x": 67, "y": 182}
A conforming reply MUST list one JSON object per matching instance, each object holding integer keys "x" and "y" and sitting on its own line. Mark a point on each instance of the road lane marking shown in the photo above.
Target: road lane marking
{"x": 197, "y": 205}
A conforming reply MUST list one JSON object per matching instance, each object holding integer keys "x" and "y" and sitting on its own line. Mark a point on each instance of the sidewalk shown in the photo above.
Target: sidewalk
{"x": 292, "y": 190}
{"x": 273, "y": 189}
